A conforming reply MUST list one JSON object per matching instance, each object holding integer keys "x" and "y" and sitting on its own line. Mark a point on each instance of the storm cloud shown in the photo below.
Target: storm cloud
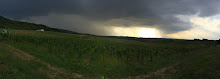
{"x": 87, "y": 16}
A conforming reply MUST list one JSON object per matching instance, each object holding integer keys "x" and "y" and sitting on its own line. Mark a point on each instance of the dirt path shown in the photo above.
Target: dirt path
{"x": 162, "y": 73}
{"x": 51, "y": 71}
{"x": 159, "y": 73}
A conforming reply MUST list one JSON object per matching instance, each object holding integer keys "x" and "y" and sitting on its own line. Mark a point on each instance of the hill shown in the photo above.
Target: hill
{"x": 7, "y": 23}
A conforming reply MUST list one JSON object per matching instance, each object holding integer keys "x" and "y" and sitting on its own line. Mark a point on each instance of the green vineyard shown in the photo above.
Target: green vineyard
{"x": 93, "y": 56}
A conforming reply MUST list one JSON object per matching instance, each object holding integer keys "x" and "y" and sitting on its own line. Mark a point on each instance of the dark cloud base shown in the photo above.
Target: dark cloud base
{"x": 158, "y": 13}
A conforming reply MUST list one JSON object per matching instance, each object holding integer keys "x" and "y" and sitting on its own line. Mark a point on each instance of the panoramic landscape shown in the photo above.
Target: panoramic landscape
{"x": 111, "y": 39}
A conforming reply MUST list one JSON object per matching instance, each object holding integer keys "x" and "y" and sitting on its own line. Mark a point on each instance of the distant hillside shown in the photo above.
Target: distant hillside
{"x": 7, "y": 23}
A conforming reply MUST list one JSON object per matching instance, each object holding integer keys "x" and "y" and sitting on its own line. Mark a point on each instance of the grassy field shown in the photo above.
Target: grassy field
{"x": 26, "y": 54}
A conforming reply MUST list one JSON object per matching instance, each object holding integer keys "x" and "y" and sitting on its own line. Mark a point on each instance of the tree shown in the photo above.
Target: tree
{"x": 219, "y": 41}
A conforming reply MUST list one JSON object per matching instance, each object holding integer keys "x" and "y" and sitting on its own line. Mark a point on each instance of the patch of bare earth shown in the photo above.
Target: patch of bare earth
{"x": 160, "y": 74}
{"x": 54, "y": 72}
{"x": 51, "y": 71}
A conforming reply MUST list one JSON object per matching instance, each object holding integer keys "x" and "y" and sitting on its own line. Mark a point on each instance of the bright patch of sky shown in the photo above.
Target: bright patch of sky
{"x": 202, "y": 27}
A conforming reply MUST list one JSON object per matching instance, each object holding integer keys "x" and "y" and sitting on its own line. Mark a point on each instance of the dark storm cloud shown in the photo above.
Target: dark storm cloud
{"x": 158, "y": 13}
{"x": 24, "y": 8}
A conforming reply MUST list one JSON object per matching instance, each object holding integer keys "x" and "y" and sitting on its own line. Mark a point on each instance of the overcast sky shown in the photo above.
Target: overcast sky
{"x": 172, "y": 18}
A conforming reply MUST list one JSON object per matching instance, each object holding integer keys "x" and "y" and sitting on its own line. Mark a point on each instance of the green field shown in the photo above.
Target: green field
{"x": 29, "y": 54}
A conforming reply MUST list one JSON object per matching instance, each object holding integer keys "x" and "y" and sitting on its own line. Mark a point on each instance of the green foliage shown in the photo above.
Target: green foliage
{"x": 93, "y": 55}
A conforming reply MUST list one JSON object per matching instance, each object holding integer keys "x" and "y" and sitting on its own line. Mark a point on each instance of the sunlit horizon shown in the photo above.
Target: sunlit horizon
{"x": 147, "y": 33}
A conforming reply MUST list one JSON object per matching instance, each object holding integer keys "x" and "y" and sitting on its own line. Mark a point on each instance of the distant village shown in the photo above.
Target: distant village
{"x": 205, "y": 40}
